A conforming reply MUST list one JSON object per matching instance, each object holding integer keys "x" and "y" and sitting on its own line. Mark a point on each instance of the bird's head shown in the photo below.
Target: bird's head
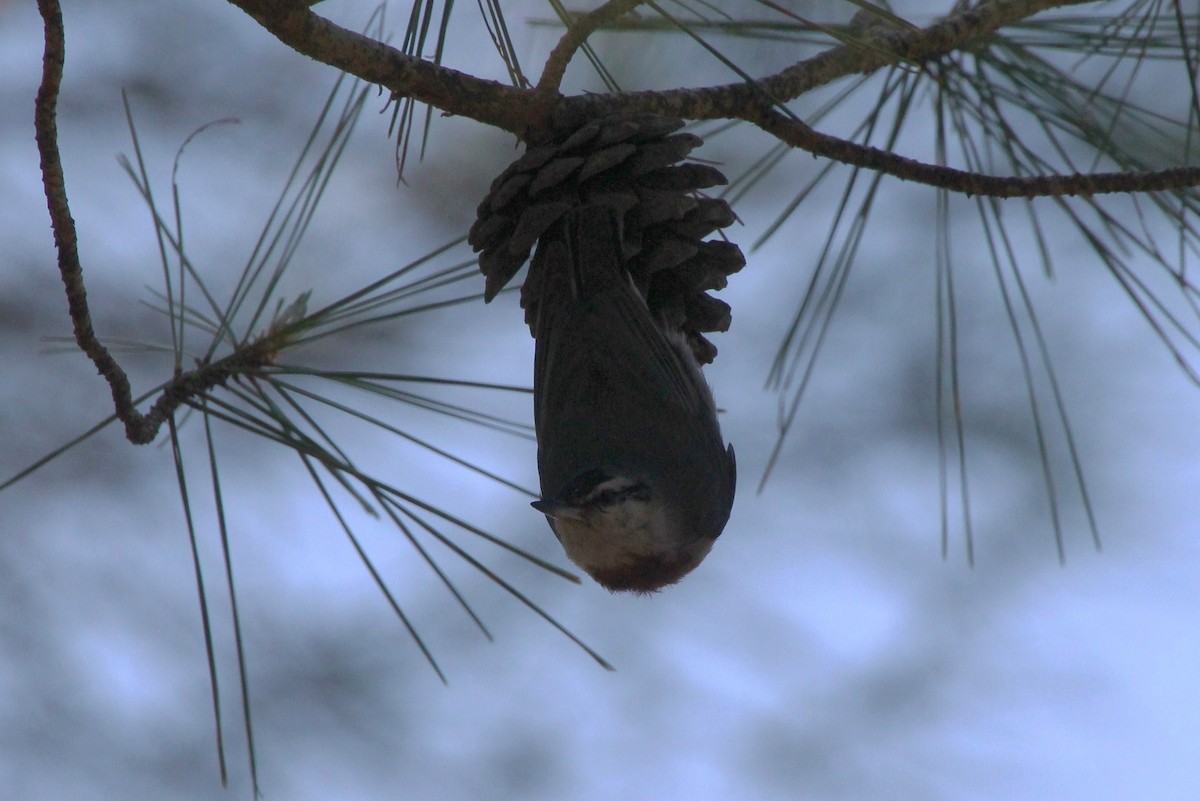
{"x": 625, "y": 534}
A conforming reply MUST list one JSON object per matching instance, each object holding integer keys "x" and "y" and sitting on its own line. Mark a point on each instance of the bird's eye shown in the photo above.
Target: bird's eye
{"x": 610, "y": 496}
{"x": 638, "y": 492}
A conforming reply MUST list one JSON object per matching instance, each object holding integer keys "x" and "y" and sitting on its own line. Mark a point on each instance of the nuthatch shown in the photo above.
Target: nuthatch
{"x": 636, "y": 481}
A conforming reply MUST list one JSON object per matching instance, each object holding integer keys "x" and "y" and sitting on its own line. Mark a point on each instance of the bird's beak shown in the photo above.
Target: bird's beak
{"x": 558, "y": 510}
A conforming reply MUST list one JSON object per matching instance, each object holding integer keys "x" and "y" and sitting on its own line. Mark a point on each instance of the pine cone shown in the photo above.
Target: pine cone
{"x": 628, "y": 162}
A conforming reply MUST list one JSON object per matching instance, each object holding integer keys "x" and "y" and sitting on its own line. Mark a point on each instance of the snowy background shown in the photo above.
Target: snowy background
{"x": 825, "y": 650}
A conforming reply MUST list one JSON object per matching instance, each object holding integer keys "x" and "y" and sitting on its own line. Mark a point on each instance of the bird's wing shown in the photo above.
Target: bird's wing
{"x": 587, "y": 296}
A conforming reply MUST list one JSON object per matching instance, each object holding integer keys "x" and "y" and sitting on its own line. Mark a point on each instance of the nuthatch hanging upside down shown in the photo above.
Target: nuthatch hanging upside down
{"x": 636, "y": 480}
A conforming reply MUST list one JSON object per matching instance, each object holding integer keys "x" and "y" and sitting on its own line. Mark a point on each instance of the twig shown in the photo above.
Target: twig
{"x": 735, "y": 100}
{"x": 454, "y": 92}
{"x": 139, "y": 428}
{"x": 797, "y": 134}
{"x": 953, "y": 32}
{"x": 576, "y": 34}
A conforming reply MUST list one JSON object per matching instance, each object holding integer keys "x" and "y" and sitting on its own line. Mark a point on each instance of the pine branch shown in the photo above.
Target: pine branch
{"x": 525, "y": 111}
{"x": 530, "y": 113}
{"x": 577, "y": 34}
{"x": 139, "y": 428}
{"x": 454, "y": 92}
{"x": 795, "y": 133}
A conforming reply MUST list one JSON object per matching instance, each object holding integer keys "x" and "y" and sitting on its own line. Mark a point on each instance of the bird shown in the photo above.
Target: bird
{"x": 636, "y": 480}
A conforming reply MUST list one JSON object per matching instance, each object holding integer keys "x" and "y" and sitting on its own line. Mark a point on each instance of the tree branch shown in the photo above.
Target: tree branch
{"x": 953, "y": 32}
{"x": 733, "y": 100}
{"x": 795, "y": 133}
{"x": 576, "y": 34}
{"x": 526, "y": 112}
{"x": 490, "y": 102}
{"x": 139, "y": 428}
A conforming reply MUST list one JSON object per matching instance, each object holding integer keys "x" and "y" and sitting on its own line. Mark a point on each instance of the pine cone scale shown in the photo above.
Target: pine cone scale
{"x": 629, "y": 163}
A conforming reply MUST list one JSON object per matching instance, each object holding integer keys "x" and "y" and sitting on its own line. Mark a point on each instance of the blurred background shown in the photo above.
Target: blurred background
{"x": 825, "y": 650}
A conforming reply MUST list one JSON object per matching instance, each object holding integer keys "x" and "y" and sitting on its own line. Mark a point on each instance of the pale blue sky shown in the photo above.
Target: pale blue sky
{"x": 825, "y": 650}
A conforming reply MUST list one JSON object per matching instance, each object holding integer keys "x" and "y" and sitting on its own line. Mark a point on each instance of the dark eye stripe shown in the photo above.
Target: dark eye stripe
{"x": 579, "y": 490}
{"x": 611, "y": 497}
